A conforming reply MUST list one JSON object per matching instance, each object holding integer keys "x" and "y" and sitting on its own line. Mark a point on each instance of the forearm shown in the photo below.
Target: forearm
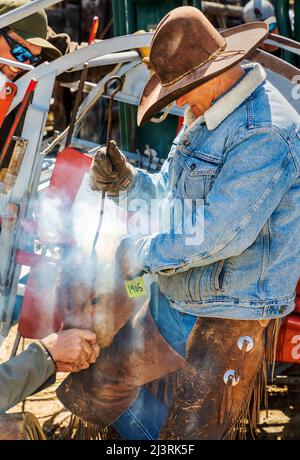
{"x": 23, "y": 375}
{"x": 145, "y": 186}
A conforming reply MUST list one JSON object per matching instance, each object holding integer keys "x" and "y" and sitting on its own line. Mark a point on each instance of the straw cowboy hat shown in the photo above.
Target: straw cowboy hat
{"x": 186, "y": 50}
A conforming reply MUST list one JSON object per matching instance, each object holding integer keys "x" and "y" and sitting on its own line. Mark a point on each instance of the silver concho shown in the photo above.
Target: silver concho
{"x": 248, "y": 339}
{"x": 231, "y": 375}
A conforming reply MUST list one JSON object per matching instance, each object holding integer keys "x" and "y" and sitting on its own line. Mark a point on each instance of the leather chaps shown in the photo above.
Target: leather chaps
{"x": 224, "y": 359}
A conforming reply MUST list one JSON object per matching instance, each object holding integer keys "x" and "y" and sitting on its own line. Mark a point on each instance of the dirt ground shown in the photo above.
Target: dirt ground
{"x": 282, "y": 422}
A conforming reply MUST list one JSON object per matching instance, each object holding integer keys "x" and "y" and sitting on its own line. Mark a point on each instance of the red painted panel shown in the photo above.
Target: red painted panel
{"x": 288, "y": 349}
{"x": 39, "y": 316}
{"x": 69, "y": 171}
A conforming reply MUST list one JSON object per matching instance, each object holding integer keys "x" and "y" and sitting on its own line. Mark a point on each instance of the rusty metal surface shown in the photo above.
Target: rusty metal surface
{"x": 14, "y": 165}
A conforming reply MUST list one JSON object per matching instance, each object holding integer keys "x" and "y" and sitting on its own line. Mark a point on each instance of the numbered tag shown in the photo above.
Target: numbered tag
{"x": 136, "y": 287}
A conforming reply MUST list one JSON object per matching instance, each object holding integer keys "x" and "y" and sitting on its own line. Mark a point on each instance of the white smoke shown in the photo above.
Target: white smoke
{"x": 61, "y": 223}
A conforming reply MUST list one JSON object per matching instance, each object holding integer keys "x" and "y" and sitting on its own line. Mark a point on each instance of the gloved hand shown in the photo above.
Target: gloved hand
{"x": 110, "y": 171}
{"x": 131, "y": 257}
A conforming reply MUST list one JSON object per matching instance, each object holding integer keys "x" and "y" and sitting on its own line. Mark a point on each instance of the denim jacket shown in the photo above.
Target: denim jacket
{"x": 242, "y": 157}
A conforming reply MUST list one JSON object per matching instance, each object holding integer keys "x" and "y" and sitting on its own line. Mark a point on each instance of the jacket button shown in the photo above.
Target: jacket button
{"x": 193, "y": 166}
{"x": 186, "y": 143}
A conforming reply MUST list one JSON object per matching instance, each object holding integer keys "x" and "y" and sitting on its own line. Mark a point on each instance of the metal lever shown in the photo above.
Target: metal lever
{"x": 109, "y": 81}
{"x": 119, "y": 81}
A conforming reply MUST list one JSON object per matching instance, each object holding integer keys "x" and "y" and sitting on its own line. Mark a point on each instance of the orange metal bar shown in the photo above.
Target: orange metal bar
{"x": 7, "y": 95}
{"x": 25, "y": 102}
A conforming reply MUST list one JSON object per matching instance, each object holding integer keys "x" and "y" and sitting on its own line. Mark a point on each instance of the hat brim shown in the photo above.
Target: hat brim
{"x": 50, "y": 50}
{"x": 244, "y": 38}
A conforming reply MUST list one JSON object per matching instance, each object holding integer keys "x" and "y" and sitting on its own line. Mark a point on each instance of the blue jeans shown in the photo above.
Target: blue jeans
{"x": 144, "y": 418}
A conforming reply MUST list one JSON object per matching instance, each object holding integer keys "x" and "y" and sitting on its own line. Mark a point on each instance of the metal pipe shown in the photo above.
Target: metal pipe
{"x": 109, "y": 59}
{"x": 24, "y": 11}
{"x": 15, "y": 345}
{"x": 19, "y": 65}
{"x": 218, "y": 9}
{"x": 284, "y": 43}
{"x": 102, "y": 48}
{"x": 83, "y": 77}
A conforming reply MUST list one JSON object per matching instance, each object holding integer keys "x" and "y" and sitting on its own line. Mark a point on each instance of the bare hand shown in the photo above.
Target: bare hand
{"x": 73, "y": 349}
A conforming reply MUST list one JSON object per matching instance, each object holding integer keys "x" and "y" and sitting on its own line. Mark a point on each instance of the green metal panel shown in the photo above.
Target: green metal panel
{"x": 284, "y": 26}
{"x": 196, "y": 4}
{"x": 130, "y": 16}
{"x": 119, "y": 14}
{"x": 297, "y": 25}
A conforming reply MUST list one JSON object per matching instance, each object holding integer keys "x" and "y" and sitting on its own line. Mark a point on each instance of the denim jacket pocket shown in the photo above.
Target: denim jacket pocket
{"x": 198, "y": 176}
{"x": 206, "y": 281}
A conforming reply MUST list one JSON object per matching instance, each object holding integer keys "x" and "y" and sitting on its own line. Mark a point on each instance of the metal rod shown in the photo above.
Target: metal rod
{"x": 84, "y": 54}
{"x": 76, "y": 104}
{"x": 80, "y": 117}
{"x": 19, "y": 65}
{"x": 119, "y": 81}
{"x": 15, "y": 345}
{"x": 24, "y": 11}
{"x": 110, "y": 59}
{"x": 83, "y": 77}
{"x": 283, "y": 46}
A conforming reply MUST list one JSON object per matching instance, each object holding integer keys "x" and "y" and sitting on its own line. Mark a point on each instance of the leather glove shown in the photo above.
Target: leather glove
{"x": 131, "y": 256}
{"x": 111, "y": 172}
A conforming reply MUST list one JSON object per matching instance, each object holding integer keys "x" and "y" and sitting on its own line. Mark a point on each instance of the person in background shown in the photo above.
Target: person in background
{"x": 263, "y": 10}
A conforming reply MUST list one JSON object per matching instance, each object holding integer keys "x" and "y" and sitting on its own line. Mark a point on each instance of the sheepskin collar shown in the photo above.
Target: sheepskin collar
{"x": 225, "y": 105}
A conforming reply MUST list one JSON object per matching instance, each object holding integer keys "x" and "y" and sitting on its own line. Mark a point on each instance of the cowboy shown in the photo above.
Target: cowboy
{"x": 236, "y": 161}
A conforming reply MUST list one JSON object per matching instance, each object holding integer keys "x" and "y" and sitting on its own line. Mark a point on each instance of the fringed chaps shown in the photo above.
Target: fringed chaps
{"x": 223, "y": 373}
{"x": 20, "y": 426}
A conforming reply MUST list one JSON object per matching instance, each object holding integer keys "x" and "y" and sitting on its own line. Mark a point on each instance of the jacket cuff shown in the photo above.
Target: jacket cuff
{"x": 45, "y": 356}
{"x": 143, "y": 245}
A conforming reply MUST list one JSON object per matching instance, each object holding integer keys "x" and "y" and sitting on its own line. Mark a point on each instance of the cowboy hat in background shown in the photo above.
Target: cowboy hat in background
{"x": 186, "y": 51}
